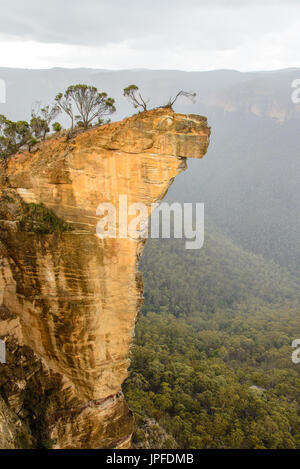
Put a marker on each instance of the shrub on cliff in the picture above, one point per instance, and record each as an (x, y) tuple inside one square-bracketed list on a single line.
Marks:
[(41, 119), (56, 127), (13, 135), (135, 98), (37, 218)]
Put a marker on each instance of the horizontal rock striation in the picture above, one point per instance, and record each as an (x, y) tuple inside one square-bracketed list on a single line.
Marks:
[(68, 299)]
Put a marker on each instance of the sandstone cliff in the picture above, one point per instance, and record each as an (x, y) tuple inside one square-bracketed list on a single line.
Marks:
[(69, 300)]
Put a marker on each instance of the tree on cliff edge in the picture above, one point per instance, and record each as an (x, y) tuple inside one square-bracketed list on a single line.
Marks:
[(41, 119), (89, 103), (186, 94), (13, 135), (134, 97)]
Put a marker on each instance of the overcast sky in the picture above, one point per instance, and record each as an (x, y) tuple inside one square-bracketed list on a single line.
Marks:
[(157, 34)]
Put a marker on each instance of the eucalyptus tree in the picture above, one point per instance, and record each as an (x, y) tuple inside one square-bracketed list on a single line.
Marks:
[(186, 94), (89, 103), (134, 96), (41, 118)]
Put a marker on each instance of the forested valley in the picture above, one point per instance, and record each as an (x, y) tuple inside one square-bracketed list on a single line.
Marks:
[(212, 358)]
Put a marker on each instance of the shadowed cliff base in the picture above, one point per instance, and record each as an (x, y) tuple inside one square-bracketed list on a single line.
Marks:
[(72, 299)]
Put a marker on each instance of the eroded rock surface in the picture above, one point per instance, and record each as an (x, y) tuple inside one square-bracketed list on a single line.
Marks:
[(69, 300)]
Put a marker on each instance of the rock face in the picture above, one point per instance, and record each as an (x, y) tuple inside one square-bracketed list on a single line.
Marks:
[(68, 299)]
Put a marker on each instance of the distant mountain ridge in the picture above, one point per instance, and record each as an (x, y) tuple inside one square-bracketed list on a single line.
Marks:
[(262, 93)]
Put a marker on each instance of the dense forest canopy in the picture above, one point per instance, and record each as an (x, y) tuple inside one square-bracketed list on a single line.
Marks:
[(211, 364)]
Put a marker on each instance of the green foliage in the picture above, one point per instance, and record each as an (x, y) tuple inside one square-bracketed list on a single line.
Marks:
[(150, 434), (13, 135), (220, 275), (65, 104), (133, 95), (56, 127), (39, 127), (213, 365), (39, 219), (195, 381), (41, 119), (89, 103)]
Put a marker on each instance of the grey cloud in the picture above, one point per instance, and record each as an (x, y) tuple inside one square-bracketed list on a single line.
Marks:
[(98, 22)]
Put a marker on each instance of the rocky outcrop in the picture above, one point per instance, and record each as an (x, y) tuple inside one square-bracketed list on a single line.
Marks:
[(69, 300)]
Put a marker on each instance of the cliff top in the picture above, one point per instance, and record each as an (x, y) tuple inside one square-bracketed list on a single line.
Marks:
[(134, 134)]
